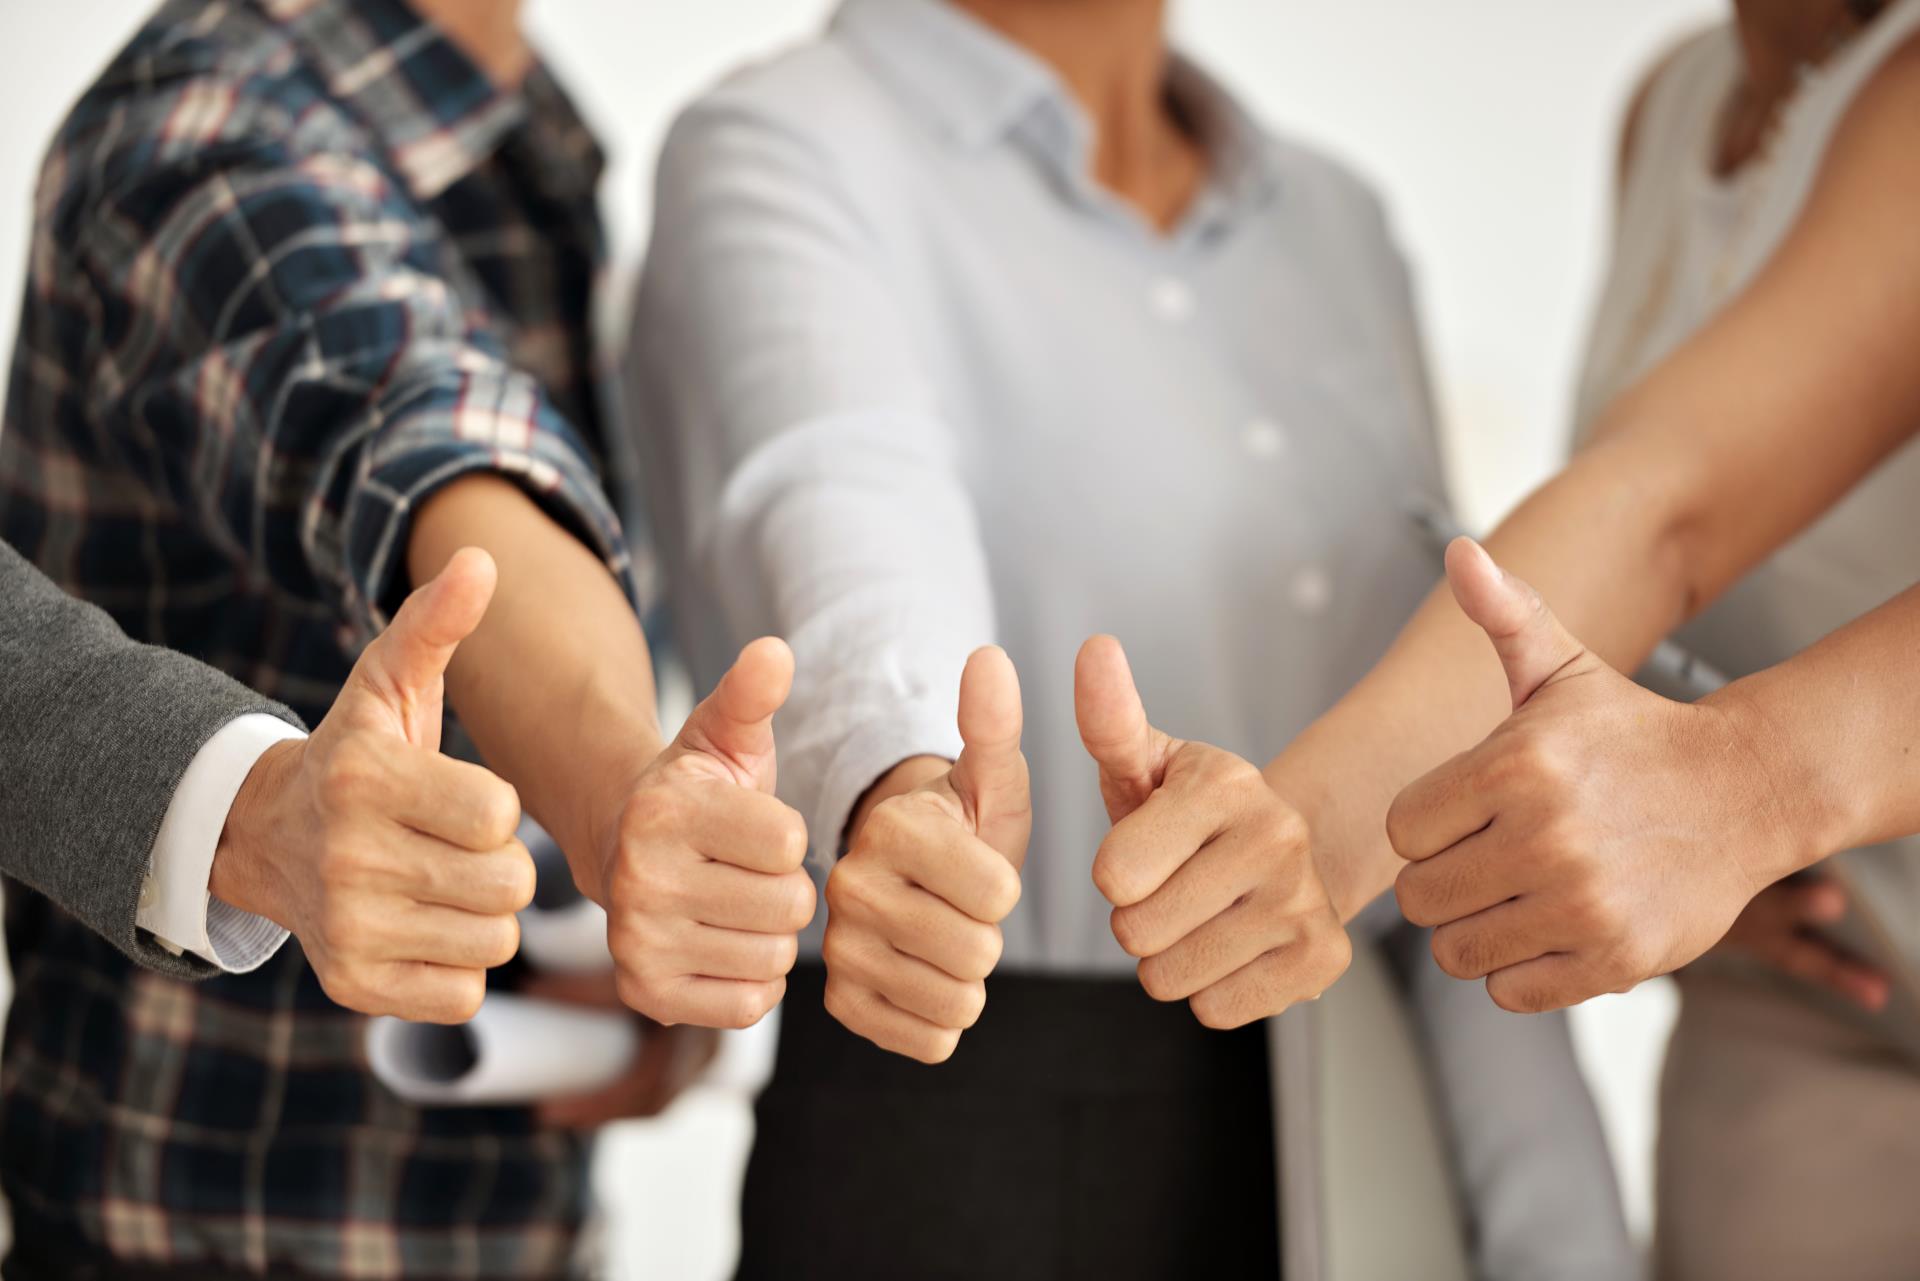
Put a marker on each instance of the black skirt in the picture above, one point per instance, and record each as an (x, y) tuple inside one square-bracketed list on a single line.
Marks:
[(1081, 1130)]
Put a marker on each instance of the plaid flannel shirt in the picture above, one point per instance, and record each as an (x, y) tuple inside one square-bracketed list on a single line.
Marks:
[(296, 264)]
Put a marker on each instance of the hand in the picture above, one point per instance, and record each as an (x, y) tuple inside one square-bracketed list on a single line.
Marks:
[(395, 866), (914, 906), (1600, 836), (670, 1059), (1210, 872), (1780, 927), (701, 872)]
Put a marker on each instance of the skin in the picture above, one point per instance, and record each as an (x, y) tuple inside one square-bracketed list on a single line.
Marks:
[(915, 903), (1751, 430), (683, 843), (1603, 834), (395, 866), (914, 906)]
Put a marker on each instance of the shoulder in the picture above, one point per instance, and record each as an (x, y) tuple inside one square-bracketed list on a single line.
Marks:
[(187, 96), (1668, 62), (816, 104), (1872, 163)]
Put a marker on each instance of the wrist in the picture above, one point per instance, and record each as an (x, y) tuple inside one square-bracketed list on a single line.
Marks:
[(243, 873), (1798, 808), (909, 775)]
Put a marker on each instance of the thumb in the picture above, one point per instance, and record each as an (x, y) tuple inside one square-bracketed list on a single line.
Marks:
[(1532, 645), (736, 720), (991, 774), (405, 665), (1132, 755)]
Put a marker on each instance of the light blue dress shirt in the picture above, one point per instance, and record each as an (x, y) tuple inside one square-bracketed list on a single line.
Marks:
[(913, 383), (909, 382)]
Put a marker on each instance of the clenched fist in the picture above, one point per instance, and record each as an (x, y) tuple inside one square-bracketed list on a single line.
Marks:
[(915, 905), (1210, 872), (1600, 836), (395, 866), (701, 875)]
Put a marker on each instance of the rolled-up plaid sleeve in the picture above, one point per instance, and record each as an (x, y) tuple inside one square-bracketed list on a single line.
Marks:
[(286, 353)]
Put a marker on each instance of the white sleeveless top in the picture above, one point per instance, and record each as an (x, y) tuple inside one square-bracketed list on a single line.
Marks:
[(1687, 243)]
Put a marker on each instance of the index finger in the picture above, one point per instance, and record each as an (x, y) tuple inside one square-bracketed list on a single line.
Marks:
[(454, 801), (1439, 809), (955, 866), (1148, 846), (747, 828)]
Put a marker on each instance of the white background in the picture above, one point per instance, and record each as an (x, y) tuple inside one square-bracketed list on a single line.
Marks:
[(1489, 123)]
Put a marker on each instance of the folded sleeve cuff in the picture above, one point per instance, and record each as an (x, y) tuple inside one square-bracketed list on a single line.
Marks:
[(495, 422), (859, 759)]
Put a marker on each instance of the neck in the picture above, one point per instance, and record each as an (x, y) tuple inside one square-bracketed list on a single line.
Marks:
[(1781, 36), (487, 31), (1111, 55)]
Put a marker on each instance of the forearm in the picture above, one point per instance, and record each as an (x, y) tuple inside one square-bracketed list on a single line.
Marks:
[(556, 685), (1608, 550), (1834, 733)]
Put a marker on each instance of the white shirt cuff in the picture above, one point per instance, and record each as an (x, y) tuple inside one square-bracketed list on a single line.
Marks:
[(175, 906)]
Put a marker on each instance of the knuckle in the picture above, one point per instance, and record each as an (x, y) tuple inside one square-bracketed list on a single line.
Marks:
[(336, 929), (1402, 824), (1157, 979), (637, 993), (1333, 950), (934, 1047), (1129, 931), (1003, 887), (1516, 998), (1215, 1010), (888, 826), (981, 953), (497, 812), (1457, 954), (792, 851), (968, 1005), (520, 879), (1288, 826), (505, 943), (345, 988), (797, 911), (468, 991), (783, 950), (1415, 900), (1118, 881), (747, 1005)]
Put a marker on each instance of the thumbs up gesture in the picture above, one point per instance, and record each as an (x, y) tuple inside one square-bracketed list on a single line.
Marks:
[(395, 866), (1600, 836), (915, 904), (1210, 872), (701, 876)]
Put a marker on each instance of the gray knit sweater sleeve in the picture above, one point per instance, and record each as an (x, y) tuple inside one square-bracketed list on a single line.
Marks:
[(95, 733)]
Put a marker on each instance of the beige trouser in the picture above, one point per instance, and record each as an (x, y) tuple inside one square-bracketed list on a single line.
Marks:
[(1789, 1141)]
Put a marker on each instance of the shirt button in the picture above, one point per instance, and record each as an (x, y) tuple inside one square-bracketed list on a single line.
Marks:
[(1172, 298), (1263, 439), (1311, 590)]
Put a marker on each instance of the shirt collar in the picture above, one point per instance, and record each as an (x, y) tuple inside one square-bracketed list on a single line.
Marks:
[(979, 88), (434, 111), (966, 79)]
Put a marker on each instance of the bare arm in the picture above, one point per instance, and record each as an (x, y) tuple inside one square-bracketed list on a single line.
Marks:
[(1741, 439), (1845, 715), (555, 685)]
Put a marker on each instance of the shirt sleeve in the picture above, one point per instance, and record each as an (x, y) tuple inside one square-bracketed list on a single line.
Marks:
[(175, 906), (288, 365), (822, 488)]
